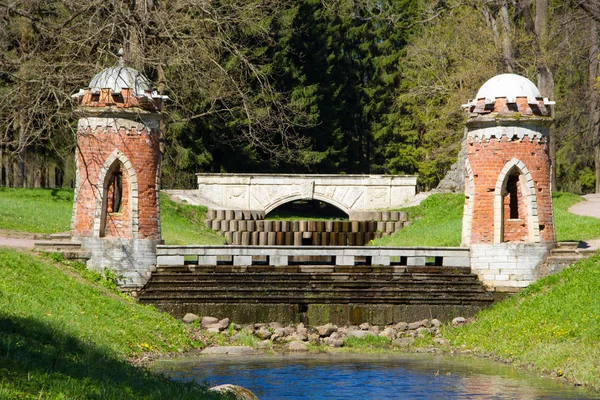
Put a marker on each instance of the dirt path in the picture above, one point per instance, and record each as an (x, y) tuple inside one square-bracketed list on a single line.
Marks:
[(590, 207), (22, 240)]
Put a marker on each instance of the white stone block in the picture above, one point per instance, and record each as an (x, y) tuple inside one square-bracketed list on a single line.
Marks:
[(242, 260), (170, 260), (207, 260), (278, 260), (344, 260), (380, 260), (415, 261)]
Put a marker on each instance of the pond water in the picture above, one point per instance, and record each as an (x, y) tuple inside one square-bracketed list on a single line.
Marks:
[(339, 376)]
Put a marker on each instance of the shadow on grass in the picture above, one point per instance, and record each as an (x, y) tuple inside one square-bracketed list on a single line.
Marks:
[(42, 361)]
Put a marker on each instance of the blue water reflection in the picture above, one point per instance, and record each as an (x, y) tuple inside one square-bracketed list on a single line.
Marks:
[(371, 377)]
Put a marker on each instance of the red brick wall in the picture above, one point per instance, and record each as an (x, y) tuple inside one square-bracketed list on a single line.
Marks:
[(487, 159), (142, 150)]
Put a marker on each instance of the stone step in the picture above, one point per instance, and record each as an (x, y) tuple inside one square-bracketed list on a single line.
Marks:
[(255, 277), (411, 299), (310, 287), (55, 245), (70, 250), (239, 294), (577, 253)]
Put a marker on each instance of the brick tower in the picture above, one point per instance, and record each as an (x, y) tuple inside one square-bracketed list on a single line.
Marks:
[(508, 220), (116, 206)]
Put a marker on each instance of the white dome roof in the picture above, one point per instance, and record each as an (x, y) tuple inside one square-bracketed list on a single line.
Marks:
[(510, 86), (120, 77)]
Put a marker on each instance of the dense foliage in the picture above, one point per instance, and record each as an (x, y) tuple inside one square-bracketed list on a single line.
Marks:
[(342, 86)]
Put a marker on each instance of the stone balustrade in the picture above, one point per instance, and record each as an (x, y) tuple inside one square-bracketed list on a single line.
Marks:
[(170, 255)]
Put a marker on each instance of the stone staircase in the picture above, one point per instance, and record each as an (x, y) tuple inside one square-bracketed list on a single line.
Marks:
[(241, 291), (562, 256), (61, 243)]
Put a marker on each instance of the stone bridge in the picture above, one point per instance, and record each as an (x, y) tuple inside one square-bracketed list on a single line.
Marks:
[(265, 192)]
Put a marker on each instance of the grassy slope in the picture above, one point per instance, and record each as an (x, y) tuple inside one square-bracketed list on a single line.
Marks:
[(36, 210), (553, 325), (437, 221), (184, 224), (64, 337), (181, 223), (571, 227)]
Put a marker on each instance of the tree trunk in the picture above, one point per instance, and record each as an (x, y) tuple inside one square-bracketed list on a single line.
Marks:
[(507, 50), (20, 179), (594, 97)]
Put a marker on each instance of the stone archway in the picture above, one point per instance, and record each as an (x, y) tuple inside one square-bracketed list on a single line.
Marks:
[(117, 159), (516, 168)]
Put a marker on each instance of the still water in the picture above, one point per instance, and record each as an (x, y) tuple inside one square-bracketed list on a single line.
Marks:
[(370, 377)]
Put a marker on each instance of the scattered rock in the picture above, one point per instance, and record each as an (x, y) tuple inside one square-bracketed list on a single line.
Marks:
[(213, 330), (297, 346), (388, 333), (237, 392), (326, 330), (414, 325), (208, 321), (459, 321), (275, 325), (331, 342), (264, 345), (365, 326), (423, 330), (401, 326), (436, 323), (223, 324), (263, 333), (440, 341), (360, 334), (299, 336), (189, 318), (229, 350)]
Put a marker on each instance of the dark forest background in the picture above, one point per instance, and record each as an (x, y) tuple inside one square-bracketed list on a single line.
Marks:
[(308, 86)]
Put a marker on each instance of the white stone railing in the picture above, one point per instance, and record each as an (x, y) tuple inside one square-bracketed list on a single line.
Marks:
[(169, 255)]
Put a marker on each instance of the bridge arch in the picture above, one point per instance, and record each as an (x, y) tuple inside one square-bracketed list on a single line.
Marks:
[(291, 198)]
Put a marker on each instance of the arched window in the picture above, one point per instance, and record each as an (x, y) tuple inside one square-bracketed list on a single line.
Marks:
[(513, 192), (515, 205), (115, 191)]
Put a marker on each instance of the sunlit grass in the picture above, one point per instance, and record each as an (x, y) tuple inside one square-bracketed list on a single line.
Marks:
[(552, 325), (184, 224), (36, 210), (62, 336), (437, 221), (571, 227)]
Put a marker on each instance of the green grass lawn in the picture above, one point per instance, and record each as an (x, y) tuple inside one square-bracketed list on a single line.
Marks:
[(62, 336), (184, 224), (36, 210), (49, 211), (553, 325), (571, 227), (437, 221)]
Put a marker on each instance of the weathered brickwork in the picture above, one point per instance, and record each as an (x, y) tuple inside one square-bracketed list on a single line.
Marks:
[(487, 160), (142, 151)]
